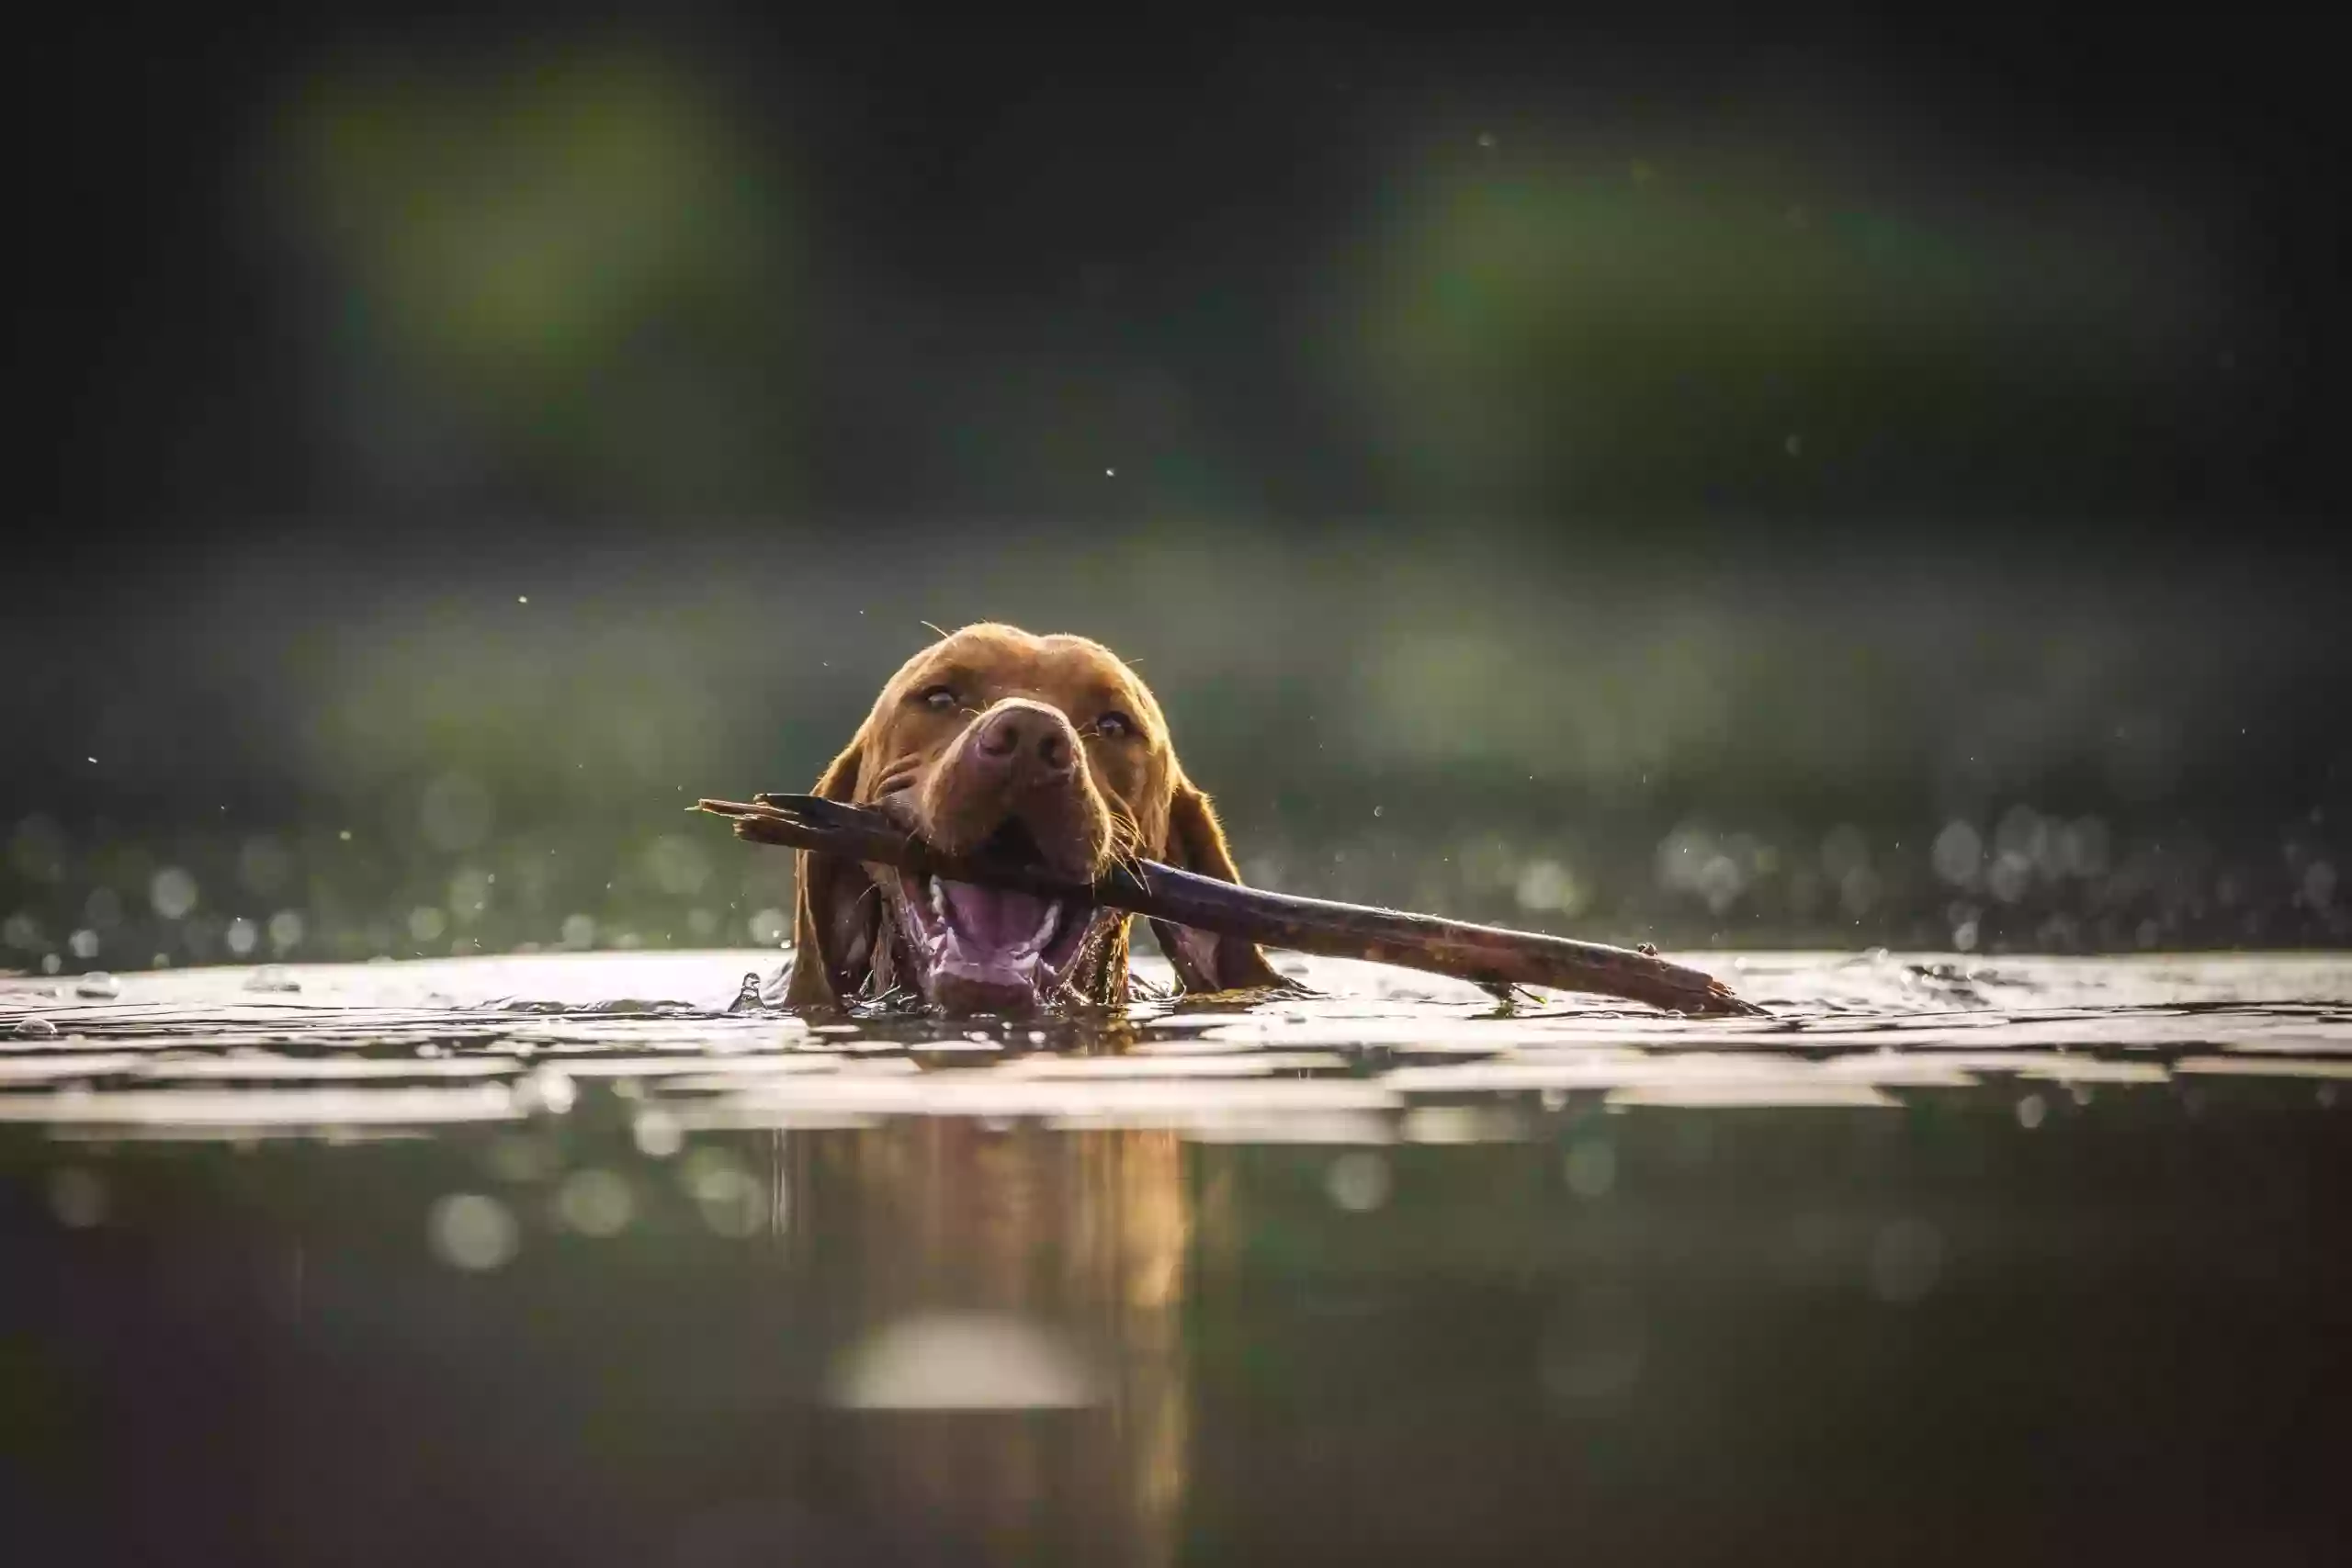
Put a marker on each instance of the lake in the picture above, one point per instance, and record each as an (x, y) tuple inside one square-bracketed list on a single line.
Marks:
[(573, 1258)]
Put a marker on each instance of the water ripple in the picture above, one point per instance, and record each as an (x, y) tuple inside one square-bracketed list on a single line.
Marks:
[(1375, 1056)]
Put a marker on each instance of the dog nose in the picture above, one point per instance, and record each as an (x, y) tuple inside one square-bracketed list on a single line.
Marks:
[(1028, 738)]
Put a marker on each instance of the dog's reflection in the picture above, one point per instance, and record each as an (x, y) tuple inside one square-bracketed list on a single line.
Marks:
[(1011, 1375)]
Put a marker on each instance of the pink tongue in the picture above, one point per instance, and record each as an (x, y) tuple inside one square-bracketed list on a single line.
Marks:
[(993, 918)]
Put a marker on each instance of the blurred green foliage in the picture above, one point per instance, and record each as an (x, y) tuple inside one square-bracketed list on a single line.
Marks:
[(573, 319), (579, 257), (1529, 325)]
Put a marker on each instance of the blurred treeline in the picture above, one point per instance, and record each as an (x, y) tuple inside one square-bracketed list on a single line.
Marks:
[(1766, 514)]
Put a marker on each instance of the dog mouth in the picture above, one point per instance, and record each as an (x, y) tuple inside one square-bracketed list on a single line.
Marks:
[(995, 950)]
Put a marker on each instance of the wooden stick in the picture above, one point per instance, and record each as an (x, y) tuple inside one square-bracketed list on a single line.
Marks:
[(1488, 954)]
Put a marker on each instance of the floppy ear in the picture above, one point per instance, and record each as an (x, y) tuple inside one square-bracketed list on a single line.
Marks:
[(836, 913), (1204, 961)]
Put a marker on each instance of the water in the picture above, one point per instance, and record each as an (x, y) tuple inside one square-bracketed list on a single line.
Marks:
[(555, 1258)]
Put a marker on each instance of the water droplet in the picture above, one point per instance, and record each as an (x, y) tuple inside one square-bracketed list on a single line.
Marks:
[(471, 1231), (657, 1133), (1591, 1169), (35, 1028), (547, 1089), (2031, 1111), (286, 929), (596, 1202), (99, 986), (1358, 1181), (1547, 885), (732, 1203), (172, 893), (1958, 852)]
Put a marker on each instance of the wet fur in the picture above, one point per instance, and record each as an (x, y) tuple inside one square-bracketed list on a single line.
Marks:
[(1131, 800)]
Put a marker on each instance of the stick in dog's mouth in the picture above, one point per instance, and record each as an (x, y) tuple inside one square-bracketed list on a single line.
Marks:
[(1488, 954)]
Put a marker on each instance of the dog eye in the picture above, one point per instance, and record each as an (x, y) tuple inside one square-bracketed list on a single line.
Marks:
[(938, 699), (1114, 726)]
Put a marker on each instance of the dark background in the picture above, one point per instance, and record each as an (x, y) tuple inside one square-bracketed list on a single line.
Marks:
[(1731, 478)]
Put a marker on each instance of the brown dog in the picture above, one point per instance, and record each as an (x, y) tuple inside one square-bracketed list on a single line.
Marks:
[(1044, 746)]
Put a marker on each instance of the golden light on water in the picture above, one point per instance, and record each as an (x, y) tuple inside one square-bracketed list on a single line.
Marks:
[(962, 1362)]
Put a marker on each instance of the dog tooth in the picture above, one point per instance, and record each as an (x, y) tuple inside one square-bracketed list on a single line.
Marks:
[(938, 898)]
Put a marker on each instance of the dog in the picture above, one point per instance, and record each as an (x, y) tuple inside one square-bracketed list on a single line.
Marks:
[(1049, 748)]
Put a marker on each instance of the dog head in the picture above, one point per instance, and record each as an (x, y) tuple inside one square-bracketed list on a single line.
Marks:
[(1047, 749)]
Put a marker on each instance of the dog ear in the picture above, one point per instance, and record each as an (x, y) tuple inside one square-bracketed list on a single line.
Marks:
[(836, 913), (1203, 960)]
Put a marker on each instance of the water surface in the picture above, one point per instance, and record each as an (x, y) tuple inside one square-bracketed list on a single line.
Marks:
[(571, 1258)]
